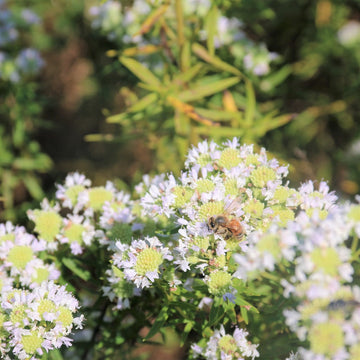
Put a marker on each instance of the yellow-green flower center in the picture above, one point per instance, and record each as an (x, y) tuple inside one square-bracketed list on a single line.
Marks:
[(281, 194), (229, 158), (219, 282), (73, 192), (31, 342), (231, 187), (252, 160), (47, 224), (65, 316), (284, 214), (205, 185), (204, 159), (148, 260), (210, 209), (17, 314), (227, 344), (260, 176), (19, 256), (46, 305), (7, 237), (326, 260), (326, 338), (74, 232), (182, 195), (98, 196), (254, 207), (202, 243), (40, 275)]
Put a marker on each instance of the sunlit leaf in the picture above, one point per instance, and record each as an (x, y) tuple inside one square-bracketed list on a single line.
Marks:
[(142, 50), (139, 70), (202, 53), (250, 103), (143, 103), (152, 19), (211, 19), (201, 91), (33, 186), (188, 74)]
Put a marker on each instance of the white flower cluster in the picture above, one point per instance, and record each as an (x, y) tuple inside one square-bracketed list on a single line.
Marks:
[(227, 347), (36, 321), (206, 237), (314, 251), (36, 315)]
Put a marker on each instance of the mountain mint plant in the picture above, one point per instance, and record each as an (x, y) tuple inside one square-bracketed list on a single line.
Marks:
[(281, 284)]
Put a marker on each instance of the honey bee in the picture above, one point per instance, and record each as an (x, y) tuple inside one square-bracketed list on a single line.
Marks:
[(224, 226)]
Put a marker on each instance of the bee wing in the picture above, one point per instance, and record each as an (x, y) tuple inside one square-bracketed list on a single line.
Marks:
[(233, 206)]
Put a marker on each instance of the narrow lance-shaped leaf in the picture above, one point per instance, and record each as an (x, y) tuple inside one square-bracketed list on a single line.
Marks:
[(33, 186), (139, 70), (179, 22), (216, 313), (201, 91), (202, 53), (152, 19), (210, 20), (250, 103), (143, 103), (188, 75), (189, 110), (141, 50), (159, 322)]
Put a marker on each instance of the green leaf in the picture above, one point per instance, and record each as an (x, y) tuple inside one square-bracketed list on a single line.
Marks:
[(143, 103), (268, 123), (211, 19), (23, 163), (219, 115), (142, 72), (250, 103), (244, 315), (76, 269), (159, 322), (188, 327), (202, 53), (33, 186), (118, 118), (189, 74), (216, 313), (201, 91)]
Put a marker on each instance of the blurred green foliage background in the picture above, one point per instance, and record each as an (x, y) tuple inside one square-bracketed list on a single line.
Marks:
[(127, 86)]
